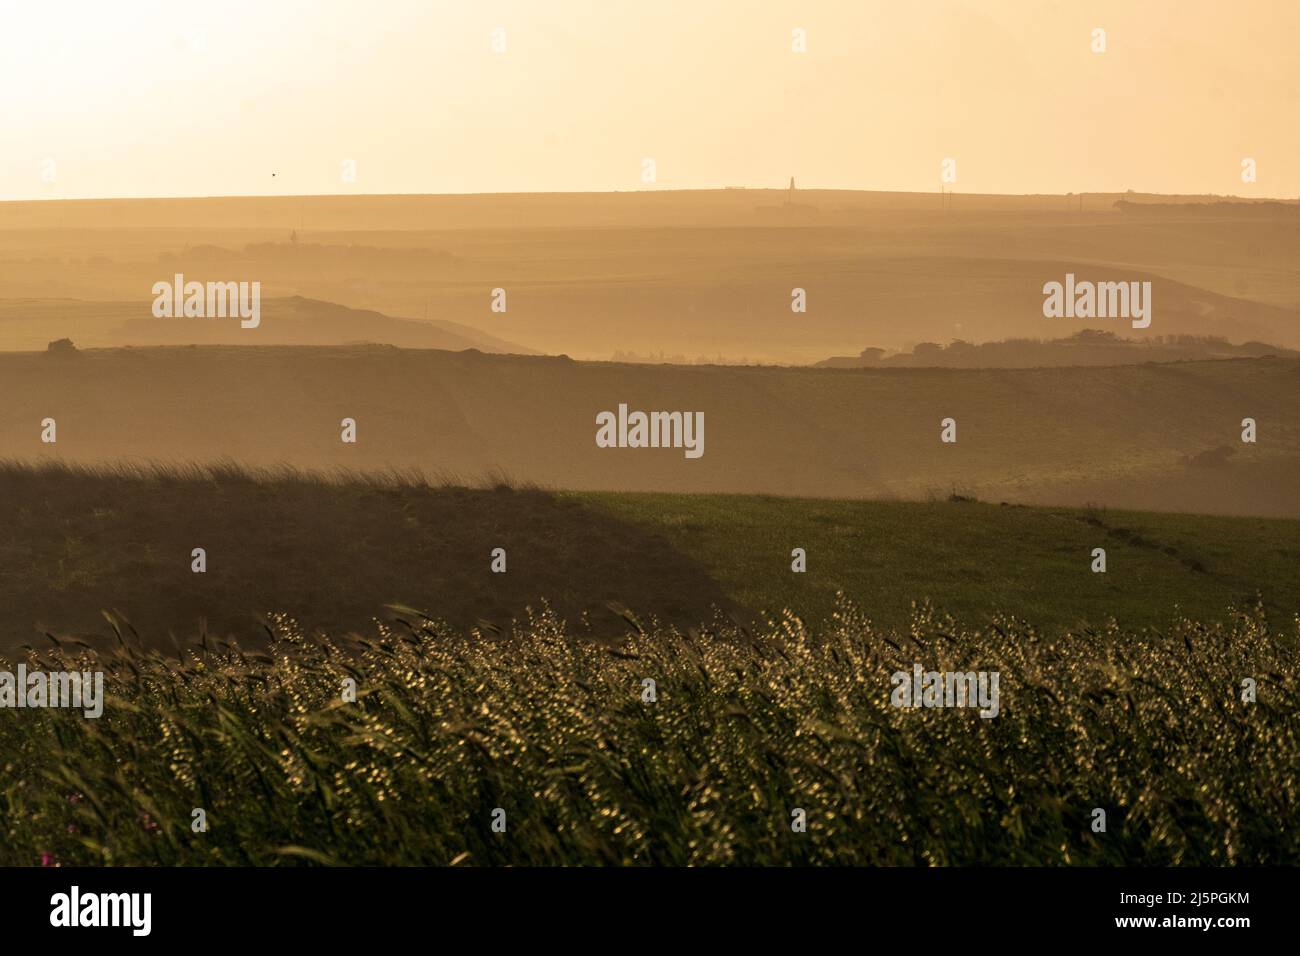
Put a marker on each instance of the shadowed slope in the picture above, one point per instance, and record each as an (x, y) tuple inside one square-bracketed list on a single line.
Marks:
[(328, 553)]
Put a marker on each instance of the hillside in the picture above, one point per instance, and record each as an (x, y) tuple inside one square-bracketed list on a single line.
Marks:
[(331, 554), (1082, 348), (974, 559), (29, 324), (561, 210), (1163, 437), (79, 542), (706, 272)]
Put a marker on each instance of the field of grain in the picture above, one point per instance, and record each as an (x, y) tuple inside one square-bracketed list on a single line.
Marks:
[(550, 750)]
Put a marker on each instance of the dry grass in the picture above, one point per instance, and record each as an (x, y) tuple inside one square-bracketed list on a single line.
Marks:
[(448, 727)]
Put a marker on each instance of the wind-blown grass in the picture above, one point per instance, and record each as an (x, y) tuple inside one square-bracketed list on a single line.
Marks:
[(746, 727)]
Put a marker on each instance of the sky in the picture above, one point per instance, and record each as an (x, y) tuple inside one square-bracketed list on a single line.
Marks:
[(280, 97)]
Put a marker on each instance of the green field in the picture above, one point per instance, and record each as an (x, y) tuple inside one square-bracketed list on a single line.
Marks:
[(975, 560), (79, 541)]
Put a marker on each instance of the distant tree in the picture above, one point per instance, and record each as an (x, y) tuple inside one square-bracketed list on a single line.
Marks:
[(871, 356), (1095, 337), (1211, 458), (61, 347)]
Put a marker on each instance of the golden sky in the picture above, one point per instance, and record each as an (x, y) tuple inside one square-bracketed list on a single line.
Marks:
[(189, 98)]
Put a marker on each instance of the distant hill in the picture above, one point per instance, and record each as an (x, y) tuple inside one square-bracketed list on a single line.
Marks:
[(1157, 436), (651, 208), (707, 272), (28, 324), (1087, 347), (310, 255), (1228, 209)]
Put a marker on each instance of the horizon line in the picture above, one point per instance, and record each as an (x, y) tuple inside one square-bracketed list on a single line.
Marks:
[(647, 192)]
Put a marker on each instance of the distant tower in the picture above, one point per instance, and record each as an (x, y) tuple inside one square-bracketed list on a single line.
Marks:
[(790, 194)]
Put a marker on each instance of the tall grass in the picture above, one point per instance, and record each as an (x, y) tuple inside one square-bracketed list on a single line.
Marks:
[(746, 728), (228, 471)]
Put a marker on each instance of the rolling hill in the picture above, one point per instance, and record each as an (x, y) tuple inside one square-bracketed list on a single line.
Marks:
[(700, 273), (333, 554), (330, 554), (29, 324), (1164, 437)]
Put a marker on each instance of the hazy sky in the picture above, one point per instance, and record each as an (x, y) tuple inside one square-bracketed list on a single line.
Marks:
[(211, 97)]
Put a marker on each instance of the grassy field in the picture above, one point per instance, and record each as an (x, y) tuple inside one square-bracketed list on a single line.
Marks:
[(330, 551), (333, 552), (747, 724), (976, 559), (558, 739)]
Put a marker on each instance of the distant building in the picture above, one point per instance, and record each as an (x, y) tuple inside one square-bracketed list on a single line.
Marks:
[(789, 209)]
